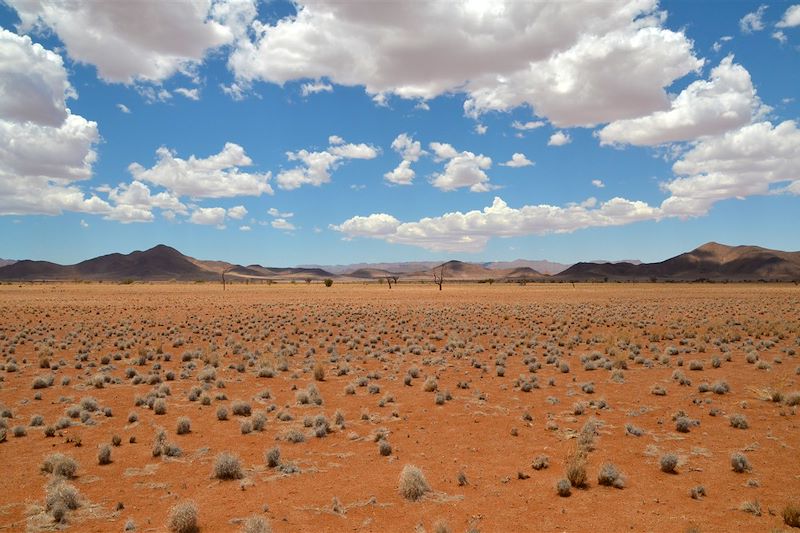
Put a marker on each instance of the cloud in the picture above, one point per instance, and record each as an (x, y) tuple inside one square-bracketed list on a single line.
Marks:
[(209, 216), (753, 22), (741, 163), (791, 18), (725, 102), (463, 169), (517, 160), (569, 61), (410, 150), (470, 231), (598, 183), (480, 129), (44, 148), (245, 228), (780, 37), (282, 224), (217, 176), (139, 40), (316, 87), (123, 108), (134, 202), (316, 167), (237, 212), (559, 138), (275, 213), (191, 94), (84, 224), (531, 125)]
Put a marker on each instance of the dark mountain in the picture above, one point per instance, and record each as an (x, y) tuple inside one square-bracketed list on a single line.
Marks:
[(711, 261), (158, 263)]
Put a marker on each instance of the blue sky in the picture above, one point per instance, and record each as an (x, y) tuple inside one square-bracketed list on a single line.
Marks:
[(284, 134)]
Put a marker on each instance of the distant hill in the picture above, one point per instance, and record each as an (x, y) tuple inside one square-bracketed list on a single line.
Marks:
[(4, 262), (541, 266), (710, 261)]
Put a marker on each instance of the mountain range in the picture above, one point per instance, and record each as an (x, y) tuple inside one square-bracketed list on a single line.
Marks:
[(711, 261)]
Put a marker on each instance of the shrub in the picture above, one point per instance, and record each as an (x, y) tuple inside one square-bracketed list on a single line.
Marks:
[(61, 495), (160, 406), (413, 484), (698, 492), (739, 463), (19, 431), (683, 424), (255, 524), (227, 466), (738, 421), (273, 457), (295, 436), (319, 371), (246, 427), (384, 448), (576, 468), (430, 384), (259, 422), (791, 515), (184, 426), (60, 465), (669, 461), (752, 507), (222, 413), (183, 518), (630, 429), (563, 488), (540, 462), (104, 454), (328, 282), (241, 408), (132, 417), (609, 476)]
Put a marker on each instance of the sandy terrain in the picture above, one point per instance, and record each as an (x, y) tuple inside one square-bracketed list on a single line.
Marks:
[(574, 359)]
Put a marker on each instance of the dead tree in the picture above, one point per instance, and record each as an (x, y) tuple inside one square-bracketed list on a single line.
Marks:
[(440, 278), (224, 271), (391, 279)]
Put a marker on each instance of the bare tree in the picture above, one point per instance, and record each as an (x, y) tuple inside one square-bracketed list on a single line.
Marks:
[(440, 278), (392, 278), (225, 271)]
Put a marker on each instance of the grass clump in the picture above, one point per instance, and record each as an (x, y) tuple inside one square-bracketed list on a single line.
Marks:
[(413, 485), (255, 524), (575, 468), (739, 421), (104, 454), (184, 426), (60, 465), (791, 515), (669, 462), (739, 463), (752, 507), (227, 466), (610, 476), (273, 457), (183, 518), (563, 488), (241, 408)]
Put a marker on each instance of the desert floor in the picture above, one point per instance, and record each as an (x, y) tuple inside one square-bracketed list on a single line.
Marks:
[(579, 363)]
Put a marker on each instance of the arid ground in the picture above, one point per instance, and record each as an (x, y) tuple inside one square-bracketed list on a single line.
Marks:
[(475, 385)]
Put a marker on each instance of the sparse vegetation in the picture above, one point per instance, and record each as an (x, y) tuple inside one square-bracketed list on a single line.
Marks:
[(183, 518), (413, 485), (227, 466)]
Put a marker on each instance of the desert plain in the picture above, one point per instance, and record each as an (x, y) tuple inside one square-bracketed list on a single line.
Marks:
[(323, 395)]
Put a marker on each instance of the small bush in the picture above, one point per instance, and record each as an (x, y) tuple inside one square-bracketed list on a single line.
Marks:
[(328, 282), (668, 462), (540, 462), (255, 524), (630, 429), (60, 465), (430, 384), (739, 463), (241, 408), (133, 417), (739, 421), (752, 507), (222, 413), (19, 431), (791, 515), (384, 448), (319, 371), (227, 466), (609, 476), (160, 406), (563, 488), (184, 426), (183, 518), (104, 455), (413, 484), (576, 468), (698, 492), (683, 424), (61, 496), (273, 457)]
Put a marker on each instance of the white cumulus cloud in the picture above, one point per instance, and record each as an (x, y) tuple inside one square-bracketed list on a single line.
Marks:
[(463, 169), (316, 167), (518, 160), (559, 138), (217, 176), (753, 22), (410, 150), (791, 18)]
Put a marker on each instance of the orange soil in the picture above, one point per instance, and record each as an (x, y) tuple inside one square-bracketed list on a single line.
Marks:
[(470, 433)]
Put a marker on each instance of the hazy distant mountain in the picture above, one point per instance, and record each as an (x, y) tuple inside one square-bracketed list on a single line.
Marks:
[(400, 267), (4, 262), (711, 261), (161, 263), (543, 266)]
